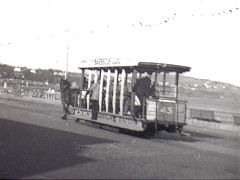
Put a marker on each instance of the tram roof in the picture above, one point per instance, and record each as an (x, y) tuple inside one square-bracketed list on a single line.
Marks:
[(151, 66), (140, 66)]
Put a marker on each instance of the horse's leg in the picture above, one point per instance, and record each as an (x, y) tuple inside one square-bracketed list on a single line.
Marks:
[(63, 105), (65, 113)]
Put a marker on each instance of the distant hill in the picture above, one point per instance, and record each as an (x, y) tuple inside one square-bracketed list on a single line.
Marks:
[(212, 95), (51, 76), (200, 93)]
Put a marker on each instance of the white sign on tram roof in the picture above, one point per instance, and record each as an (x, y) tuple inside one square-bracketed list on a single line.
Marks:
[(106, 62)]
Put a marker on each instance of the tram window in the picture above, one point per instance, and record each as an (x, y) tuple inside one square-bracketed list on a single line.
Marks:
[(170, 84), (138, 75), (104, 92), (110, 95), (129, 79), (166, 84), (85, 82), (90, 76), (159, 84)]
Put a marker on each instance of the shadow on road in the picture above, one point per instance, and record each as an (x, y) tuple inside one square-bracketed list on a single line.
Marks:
[(189, 137), (26, 149), (163, 135), (202, 135)]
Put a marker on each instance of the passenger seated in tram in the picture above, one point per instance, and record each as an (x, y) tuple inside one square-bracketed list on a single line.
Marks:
[(126, 98), (84, 93), (104, 95), (111, 95)]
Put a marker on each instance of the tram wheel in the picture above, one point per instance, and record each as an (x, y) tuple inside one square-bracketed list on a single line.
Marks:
[(180, 130), (77, 120), (171, 128), (149, 131)]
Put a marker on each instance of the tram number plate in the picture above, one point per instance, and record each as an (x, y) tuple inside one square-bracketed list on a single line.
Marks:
[(166, 111)]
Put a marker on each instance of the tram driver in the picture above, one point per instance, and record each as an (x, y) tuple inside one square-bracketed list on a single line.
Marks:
[(143, 89)]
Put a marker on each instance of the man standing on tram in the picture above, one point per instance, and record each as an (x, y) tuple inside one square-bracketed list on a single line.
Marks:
[(143, 89), (94, 89)]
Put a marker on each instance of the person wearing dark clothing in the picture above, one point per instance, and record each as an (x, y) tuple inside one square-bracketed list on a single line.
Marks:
[(94, 89), (95, 108), (143, 89)]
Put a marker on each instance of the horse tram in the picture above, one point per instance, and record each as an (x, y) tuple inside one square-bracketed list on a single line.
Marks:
[(138, 97)]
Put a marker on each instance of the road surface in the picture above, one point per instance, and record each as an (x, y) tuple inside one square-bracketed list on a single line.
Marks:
[(36, 143)]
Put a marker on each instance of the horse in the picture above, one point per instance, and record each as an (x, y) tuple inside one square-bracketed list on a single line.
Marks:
[(68, 96)]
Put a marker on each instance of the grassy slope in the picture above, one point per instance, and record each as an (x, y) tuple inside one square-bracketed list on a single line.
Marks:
[(211, 95)]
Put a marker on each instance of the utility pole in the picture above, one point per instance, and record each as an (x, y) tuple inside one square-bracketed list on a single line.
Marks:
[(67, 38), (67, 62)]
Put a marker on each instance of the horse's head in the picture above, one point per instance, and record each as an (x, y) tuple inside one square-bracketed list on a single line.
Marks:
[(64, 84)]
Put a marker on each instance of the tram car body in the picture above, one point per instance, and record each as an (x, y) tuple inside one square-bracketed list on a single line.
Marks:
[(160, 109)]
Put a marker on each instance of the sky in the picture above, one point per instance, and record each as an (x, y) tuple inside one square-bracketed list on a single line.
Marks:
[(202, 34)]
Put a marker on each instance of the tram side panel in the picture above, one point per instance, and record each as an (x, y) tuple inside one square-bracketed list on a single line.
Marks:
[(182, 112), (166, 112)]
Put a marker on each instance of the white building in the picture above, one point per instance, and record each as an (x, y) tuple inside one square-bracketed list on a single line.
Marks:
[(17, 69), (33, 71)]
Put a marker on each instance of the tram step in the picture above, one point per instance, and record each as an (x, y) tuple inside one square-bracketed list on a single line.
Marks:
[(107, 123)]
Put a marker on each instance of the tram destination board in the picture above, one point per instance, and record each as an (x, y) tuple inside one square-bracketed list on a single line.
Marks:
[(105, 62)]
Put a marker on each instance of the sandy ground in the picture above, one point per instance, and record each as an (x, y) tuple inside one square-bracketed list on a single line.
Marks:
[(36, 143)]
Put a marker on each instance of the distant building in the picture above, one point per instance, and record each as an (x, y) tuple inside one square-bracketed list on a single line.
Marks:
[(60, 73), (207, 85), (17, 69), (33, 71), (18, 72)]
